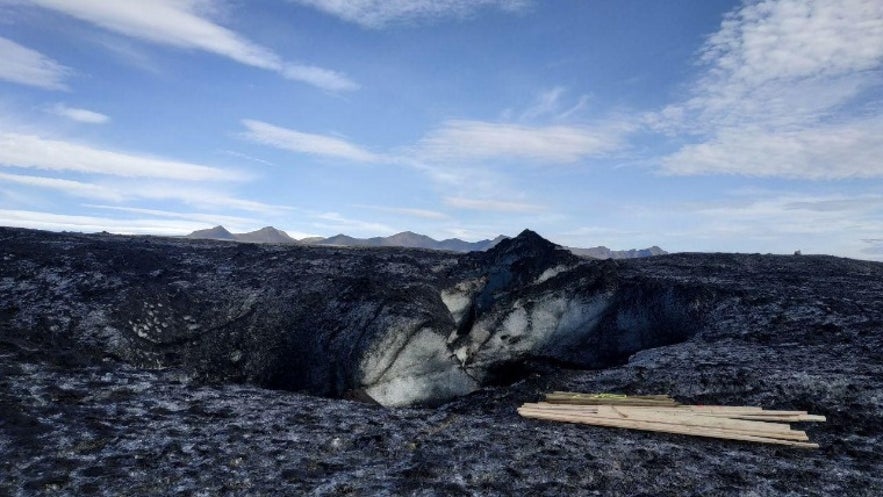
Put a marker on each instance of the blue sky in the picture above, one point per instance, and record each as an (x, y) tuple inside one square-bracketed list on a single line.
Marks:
[(703, 125)]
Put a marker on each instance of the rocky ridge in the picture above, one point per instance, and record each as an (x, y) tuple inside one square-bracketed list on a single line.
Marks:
[(602, 252), (163, 360), (405, 239)]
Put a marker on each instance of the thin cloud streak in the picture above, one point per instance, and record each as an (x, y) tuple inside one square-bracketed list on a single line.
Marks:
[(335, 222), (231, 222), (198, 196), (32, 151), (306, 143), (377, 14), (80, 115), (247, 157), (25, 66), (855, 204), (58, 222), (477, 140), (179, 24), (420, 213), (547, 102), (874, 247), (205, 198), (69, 187), (551, 104), (492, 205)]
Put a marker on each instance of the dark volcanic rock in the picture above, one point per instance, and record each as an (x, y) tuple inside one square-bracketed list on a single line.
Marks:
[(124, 364), (403, 326)]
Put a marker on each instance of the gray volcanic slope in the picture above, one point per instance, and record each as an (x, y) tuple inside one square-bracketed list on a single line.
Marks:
[(149, 366)]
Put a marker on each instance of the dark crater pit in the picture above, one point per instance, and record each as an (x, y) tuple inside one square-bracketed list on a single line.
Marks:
[(155, 366)]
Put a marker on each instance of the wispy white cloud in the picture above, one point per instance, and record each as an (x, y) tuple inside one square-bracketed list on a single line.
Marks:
[(489, 205), (318, 77), (820, 152), (231, 222), (306, 143), (597, 232), (547, 102), (381, 13), (25, 66), (56, 222), (774, 40), (404, 211), (863, 204), (773, 95), (247, 157), (204, 198), (185, 24), (439, 155), (784, 216), (127, 51), (194, 195), (782, 222), (337, 223), (471, 140), (69, 187), (786, 62), (79, 115), (874, 247), (574, 109), (32, 151), (456, 141), (553, 104)]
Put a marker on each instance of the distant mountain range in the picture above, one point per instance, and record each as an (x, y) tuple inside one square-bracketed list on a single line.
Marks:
[(267, 234), (408, 239), (412, 240), (603, 252)]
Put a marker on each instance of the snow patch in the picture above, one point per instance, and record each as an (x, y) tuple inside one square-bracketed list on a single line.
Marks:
[(405, 390), (549, 326), (550, 273), (409, 367), (458, 299)]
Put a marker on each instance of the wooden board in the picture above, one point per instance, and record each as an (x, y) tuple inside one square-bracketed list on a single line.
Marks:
[(677, 417), (667, 428), (663, 414), (756, 428)]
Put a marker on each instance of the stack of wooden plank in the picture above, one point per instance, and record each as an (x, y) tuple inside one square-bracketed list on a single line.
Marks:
[(664, 414)]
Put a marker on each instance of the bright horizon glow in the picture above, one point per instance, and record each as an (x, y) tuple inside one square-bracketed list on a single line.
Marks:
[(725, 125)]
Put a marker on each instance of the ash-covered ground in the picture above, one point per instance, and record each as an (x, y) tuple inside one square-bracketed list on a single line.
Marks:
[(93, 405)]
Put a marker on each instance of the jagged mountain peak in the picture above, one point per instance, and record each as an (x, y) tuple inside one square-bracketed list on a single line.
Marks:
[(526, 241), (530, 252)]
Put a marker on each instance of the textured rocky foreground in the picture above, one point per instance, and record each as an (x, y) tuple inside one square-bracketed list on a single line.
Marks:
[(145, 366)]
